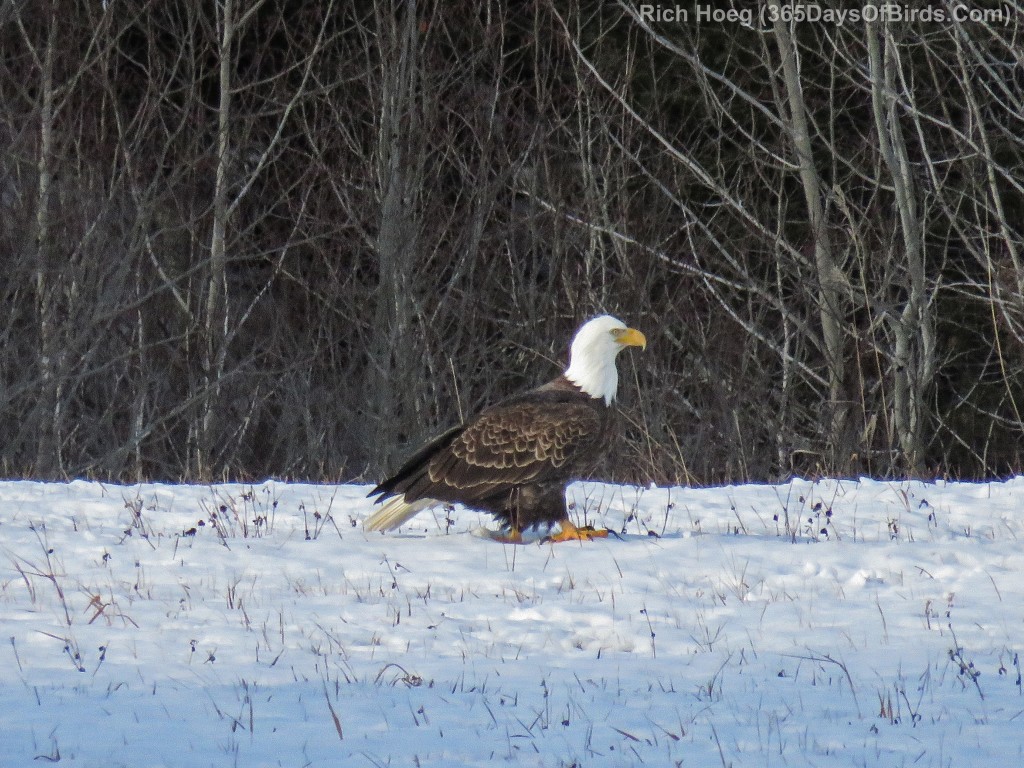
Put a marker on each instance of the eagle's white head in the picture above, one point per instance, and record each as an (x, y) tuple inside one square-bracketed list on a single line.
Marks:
[(592, 355)]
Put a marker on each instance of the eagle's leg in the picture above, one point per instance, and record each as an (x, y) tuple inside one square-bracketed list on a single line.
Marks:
[(570, 532), (507, 536)]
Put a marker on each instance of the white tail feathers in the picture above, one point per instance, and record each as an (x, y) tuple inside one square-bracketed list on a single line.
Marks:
[(395, 512)]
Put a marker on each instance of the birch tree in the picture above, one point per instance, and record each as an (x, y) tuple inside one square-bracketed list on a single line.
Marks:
[(831, 282), (913, 355)]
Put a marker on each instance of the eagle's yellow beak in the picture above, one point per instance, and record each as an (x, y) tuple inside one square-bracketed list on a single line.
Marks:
[(631, 337)]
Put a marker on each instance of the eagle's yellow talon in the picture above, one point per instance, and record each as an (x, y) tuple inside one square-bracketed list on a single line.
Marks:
[(570, 532)]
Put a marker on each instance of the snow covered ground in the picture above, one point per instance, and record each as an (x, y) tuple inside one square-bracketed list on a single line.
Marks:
[(826, 624)]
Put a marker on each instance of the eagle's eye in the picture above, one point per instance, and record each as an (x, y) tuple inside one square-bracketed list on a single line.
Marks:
[(616, 332)]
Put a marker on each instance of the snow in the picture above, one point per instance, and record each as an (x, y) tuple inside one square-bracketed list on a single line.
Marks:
[(831, 623)]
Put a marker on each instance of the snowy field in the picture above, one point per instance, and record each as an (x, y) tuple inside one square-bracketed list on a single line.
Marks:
[(826, 624)]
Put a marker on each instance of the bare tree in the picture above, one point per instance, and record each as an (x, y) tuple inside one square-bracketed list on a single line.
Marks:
[(400, 160), (259, 238), (913, 328), (831, 282)]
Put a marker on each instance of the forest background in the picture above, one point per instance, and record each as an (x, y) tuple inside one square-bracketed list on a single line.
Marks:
[(246, 239)]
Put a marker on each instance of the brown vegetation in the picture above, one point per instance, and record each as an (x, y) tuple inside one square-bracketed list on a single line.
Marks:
[(247, 238)]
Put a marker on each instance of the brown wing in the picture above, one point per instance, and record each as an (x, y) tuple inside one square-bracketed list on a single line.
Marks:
[(522, 441), (525, 442)]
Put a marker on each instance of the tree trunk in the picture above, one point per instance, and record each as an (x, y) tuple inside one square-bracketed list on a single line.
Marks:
[(398, 174), (216, 310), (48, 450), (913, 355), (831, 280)]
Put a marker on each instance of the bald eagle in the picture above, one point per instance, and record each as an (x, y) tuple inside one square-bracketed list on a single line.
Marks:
[(515, 458)]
